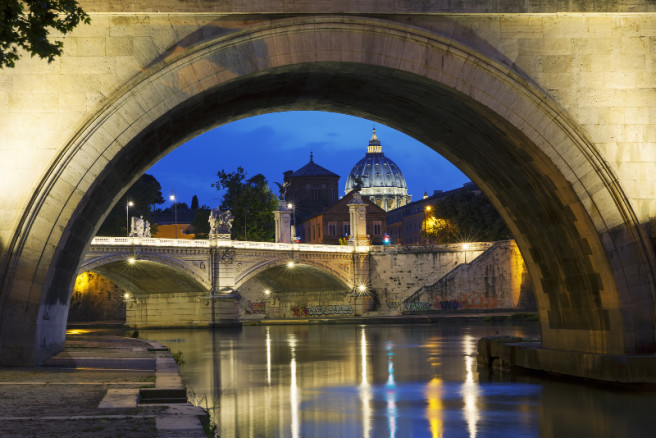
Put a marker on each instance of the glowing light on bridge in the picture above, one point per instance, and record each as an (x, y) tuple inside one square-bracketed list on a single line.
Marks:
[(290, 264), (132, 260), (126, 296), (267, 292)]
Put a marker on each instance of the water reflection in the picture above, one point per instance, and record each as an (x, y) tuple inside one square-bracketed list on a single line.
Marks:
[(293, 390), (386, 381), (366, 395), (470, 389)]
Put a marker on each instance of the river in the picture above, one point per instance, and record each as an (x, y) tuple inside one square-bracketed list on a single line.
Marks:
[(414, 380)]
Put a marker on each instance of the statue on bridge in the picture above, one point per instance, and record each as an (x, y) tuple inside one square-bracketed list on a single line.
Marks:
[(282, 188), (220, 224), (139, 227)]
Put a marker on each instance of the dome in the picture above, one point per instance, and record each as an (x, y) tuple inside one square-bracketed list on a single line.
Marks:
[(380, 178)]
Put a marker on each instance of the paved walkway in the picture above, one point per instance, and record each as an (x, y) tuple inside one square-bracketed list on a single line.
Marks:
[(99, 386)]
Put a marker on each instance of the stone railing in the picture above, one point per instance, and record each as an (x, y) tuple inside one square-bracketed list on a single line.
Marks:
[(204, 243)]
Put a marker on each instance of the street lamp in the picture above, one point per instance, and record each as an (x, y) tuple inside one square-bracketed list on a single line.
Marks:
[(175, 213), (426, 213), (291, 207), (127, 217), (465, 247)]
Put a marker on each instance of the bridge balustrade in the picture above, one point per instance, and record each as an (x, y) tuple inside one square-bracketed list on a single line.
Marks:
[(204, 243)]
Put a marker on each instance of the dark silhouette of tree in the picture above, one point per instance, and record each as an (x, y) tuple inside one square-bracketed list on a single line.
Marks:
[(252, 204), (470, 217), (26, 25), (144, 193), (194, 202), (201, 223)]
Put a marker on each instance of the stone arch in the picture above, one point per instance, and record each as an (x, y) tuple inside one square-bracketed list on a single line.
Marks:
[(177, 265), (590, 262), (252, 271)]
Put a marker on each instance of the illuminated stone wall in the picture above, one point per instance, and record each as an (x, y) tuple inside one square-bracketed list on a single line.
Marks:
[(95, 298), (549, 107)]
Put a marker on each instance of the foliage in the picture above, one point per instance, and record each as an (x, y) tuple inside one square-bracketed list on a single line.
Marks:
[(251, 202), (194, 202), (26, 24), (439, 230), (201, 222), (178, 357), (144, 193), (468, 216)]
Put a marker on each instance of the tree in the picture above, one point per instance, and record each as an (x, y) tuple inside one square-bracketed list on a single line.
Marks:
[(472, 216), (144, 194), (194, 202), (439, 230), (252, 204), (201, 222), (26, 24)]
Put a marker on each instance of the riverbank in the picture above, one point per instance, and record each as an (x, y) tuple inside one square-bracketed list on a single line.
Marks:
[(445, 316), (99, 386)]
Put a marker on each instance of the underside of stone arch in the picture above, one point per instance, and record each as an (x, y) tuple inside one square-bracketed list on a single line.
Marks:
[(590, 263), (279, 278), (147, 275)]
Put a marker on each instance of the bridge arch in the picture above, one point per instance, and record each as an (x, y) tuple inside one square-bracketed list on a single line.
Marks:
[(343, 276), (590, 262), (188, 275)]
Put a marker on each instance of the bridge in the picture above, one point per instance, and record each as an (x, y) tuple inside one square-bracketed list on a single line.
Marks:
[(191, 283), (548, 106)]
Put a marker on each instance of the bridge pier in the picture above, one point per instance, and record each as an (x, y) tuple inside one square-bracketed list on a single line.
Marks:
[(505, 353)]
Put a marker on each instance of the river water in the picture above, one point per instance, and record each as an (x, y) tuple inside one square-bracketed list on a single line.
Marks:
[(417, 380)]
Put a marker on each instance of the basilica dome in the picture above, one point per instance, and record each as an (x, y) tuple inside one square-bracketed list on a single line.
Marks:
[(379, 178)]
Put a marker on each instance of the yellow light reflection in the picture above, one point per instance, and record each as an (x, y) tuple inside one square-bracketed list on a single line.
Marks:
[(470, 390), (268, 353), (293, 389), (434, 409), (77, 331), (365, 388)]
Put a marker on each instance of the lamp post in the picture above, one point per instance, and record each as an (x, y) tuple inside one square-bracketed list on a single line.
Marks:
[(291, 207), (127, 217), (465, 246), (175, 213), (426, 213)]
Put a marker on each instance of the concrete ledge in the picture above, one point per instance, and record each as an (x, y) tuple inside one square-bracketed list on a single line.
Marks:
[(133, 363), (509, 353)]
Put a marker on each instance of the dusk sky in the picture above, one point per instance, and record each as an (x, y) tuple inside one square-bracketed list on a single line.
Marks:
[(273, 143)]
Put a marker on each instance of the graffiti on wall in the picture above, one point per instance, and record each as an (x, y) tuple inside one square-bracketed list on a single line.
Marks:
[(303, 310), (341, 309), (418, 306), (257, 307), (394, 303), (298, 311), (450, 305)]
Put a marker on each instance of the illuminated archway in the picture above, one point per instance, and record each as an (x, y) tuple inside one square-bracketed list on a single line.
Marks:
[(590, 263)]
